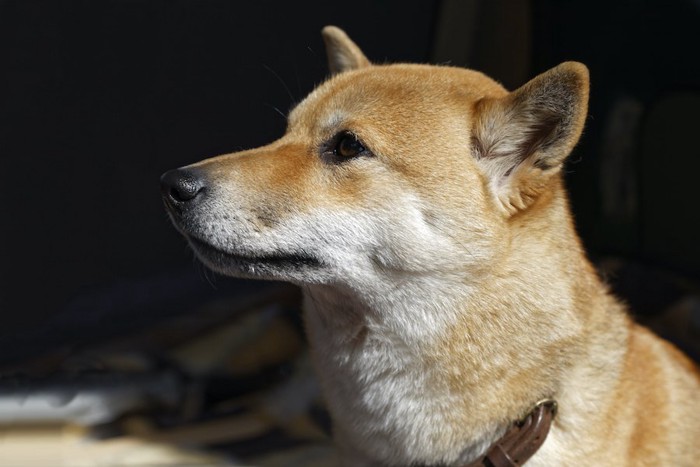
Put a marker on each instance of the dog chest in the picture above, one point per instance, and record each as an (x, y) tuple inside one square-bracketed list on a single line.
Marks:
[(384, 397)]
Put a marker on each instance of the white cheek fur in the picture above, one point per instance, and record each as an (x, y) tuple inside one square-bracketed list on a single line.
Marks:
[(353, 244)]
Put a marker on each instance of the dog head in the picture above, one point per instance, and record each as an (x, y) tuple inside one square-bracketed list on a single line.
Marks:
[(384, 171)]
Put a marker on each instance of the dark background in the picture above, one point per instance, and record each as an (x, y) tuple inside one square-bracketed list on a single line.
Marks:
[(97, 99)]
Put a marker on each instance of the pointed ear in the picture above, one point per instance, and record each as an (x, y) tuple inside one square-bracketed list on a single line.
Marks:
[(343, 53), (523, 139)]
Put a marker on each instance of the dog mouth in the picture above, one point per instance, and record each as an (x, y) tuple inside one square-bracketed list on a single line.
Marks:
[(264, 264)]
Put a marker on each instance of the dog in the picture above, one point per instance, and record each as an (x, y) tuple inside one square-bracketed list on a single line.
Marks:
[(450, 307)]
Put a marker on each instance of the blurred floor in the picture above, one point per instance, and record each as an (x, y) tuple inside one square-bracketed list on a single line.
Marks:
[(232, 387)]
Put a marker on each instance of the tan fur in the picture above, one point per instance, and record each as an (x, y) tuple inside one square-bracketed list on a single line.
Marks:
[(454, 291)]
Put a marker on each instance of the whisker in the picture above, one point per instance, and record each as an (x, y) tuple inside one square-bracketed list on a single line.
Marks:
[(204, 272), (277, 110), (464, 247), (319, 311), (320, 62), (279, 78)]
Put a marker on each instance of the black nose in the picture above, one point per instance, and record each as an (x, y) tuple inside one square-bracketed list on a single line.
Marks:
[(180, 186)]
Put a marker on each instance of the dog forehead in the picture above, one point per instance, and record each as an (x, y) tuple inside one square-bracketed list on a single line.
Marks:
[(400, 90)]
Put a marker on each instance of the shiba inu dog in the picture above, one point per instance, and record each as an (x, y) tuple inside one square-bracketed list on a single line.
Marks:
[(422, 210)]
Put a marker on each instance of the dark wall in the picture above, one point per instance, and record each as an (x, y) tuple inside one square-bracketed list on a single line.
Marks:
[(633, 178), (97, 99)]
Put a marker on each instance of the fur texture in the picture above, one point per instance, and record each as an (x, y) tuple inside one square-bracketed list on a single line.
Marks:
[(446, 289)]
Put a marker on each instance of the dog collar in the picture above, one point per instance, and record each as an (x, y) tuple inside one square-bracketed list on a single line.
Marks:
[(522, 440)]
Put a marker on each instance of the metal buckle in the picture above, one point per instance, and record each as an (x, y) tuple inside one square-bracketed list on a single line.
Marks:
[(551, 403), (547, 403)]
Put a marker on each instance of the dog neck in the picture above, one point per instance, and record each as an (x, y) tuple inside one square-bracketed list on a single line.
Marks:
[(377, 368), (434, 369)]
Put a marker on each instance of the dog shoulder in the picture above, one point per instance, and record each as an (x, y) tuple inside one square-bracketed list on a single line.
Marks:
[(662, 388)]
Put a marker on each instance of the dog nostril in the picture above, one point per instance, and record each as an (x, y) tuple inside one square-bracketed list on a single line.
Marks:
[(185, 192), (181, 185)]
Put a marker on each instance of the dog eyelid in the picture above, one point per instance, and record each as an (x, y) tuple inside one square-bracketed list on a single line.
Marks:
[(345, 145)]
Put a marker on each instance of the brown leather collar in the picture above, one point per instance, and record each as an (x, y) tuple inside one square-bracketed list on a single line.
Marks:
[(522, 440)]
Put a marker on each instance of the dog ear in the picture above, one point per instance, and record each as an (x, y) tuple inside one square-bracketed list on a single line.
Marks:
[(522, 139), (343, 53)]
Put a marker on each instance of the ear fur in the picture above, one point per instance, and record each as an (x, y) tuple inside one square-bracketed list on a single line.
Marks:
[(522, 139), (343, 53)]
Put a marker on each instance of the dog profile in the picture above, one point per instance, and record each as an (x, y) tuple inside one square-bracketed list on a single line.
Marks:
[(423, 212)]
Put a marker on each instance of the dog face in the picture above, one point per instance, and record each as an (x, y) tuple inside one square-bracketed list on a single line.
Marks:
[(383, 172)]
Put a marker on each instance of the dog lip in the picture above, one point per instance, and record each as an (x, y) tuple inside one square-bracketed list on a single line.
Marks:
[(277, 258), (173, 210)]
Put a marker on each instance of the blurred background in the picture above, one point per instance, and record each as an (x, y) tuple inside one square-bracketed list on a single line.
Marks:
[(116, 347)]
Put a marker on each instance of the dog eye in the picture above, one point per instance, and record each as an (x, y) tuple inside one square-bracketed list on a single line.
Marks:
[(348, 145)]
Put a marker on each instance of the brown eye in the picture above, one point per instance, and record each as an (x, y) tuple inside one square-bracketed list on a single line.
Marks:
[(348, 146)]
